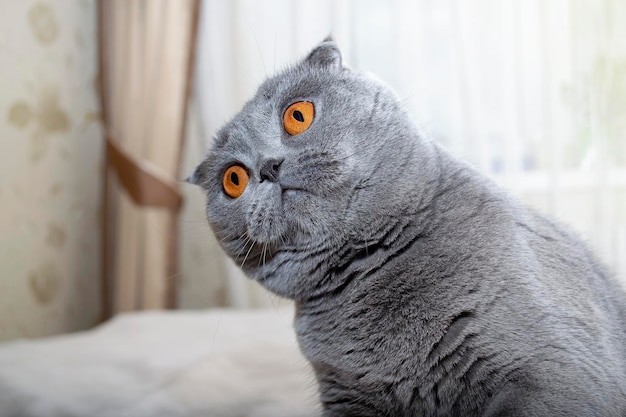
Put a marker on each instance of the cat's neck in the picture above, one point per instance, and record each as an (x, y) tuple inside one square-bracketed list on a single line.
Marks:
[(387, 235), (407, 233)]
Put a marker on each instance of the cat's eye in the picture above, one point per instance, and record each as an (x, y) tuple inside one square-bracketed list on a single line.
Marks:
[(235, 181), (298, 117)]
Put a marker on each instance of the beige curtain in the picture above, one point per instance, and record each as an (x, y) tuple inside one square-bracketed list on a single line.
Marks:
[(146, 50)]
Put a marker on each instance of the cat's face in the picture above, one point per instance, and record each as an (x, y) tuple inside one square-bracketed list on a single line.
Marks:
[(314, 162)]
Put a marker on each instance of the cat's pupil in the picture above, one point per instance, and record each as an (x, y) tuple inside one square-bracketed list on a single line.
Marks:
[(234, 178), (298, 116)]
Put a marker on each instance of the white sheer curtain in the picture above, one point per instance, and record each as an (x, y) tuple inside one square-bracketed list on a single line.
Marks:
[(532, 92)]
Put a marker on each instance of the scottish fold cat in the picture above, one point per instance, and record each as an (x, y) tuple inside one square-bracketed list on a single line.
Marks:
[(421, 288)]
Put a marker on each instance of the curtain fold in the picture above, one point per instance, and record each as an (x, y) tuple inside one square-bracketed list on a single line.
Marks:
[(146, 57)]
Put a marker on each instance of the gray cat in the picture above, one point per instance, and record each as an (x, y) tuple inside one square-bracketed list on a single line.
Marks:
[(421, 288)]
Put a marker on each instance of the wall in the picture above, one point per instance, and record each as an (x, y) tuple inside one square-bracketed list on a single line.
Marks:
[(50, 161)]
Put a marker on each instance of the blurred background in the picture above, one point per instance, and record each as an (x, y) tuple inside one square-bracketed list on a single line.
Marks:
[(96, 102)]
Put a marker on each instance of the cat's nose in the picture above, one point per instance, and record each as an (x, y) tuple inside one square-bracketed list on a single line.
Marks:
[(269, 170)]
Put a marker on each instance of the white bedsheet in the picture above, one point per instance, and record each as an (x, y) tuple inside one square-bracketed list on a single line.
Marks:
[(211, 363)]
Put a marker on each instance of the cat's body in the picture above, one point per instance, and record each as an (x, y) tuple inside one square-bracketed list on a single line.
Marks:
[(483, 308), (421, 288)]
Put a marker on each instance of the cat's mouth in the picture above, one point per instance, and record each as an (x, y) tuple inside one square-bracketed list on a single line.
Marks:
[(289, 188), (292, 191), (280, 210)]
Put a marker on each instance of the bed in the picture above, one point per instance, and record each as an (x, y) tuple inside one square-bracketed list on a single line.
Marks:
[(177, 363)]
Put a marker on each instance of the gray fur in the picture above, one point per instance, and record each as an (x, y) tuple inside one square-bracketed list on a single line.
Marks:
[(422, 289)]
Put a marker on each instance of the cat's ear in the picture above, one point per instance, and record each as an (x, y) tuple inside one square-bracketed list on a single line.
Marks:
[(198, 175), (325, 55)]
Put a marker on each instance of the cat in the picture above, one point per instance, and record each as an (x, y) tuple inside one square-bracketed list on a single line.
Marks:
[(421, 288)]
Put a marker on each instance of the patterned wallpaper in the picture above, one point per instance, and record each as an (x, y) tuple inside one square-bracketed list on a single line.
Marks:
[(50, 164)]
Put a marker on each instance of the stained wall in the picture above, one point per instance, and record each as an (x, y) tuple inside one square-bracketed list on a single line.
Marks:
[(50, 164)]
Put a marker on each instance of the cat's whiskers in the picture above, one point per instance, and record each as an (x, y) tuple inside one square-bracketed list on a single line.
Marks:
[(408, 98), (228, 236), (262, 258), (238, 240), (248, 239), (224, 238), (258, 47), (245, 239)]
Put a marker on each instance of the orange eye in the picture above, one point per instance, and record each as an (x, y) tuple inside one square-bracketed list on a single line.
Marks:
[(235, 181), (298, 117)]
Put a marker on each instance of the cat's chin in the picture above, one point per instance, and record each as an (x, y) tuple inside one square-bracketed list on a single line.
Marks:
[(290, 193), (277, 208), (265, 221)]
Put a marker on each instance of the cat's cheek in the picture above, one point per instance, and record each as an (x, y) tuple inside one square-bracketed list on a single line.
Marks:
[(230, 231)]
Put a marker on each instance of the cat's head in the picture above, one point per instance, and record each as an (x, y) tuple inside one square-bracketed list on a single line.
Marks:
[(313, 166)]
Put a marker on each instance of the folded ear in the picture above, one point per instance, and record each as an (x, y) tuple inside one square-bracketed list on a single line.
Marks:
[(197, 177), (325, 55)]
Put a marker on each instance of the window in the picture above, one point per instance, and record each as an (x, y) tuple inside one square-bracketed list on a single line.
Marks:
[(531, 92)]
